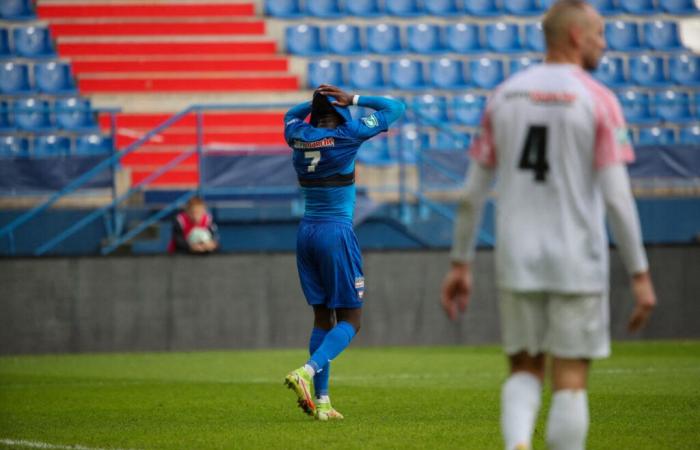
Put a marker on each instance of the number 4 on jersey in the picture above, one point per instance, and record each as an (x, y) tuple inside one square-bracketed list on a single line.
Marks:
[(534, 155)]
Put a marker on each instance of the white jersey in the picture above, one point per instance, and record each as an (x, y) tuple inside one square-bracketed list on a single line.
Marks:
[(547, 130)]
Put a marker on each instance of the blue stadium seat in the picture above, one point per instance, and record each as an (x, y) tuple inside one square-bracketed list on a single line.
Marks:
[(534, 37), (384, 38), (656, 136), (467, 109), (522, 62), (622, 36), (14, 79), (32, 114), (684, 69), (54, 78), (503, 37), (4, 44), (51, 145), (662, 35), (411, 142), (463, 38), (481, 8), (328, 9), (33, 42), (636, 107), (283, 8), (454, 140), (325, 71), (343, 39), (486, 73), (303, 40), (363, 8), (366, 74), (605, 7), (403, 8), (447, 73), (423, 38), (5, 122), (13, 146), (75, 114), (611, 72), (407, 74), (375, 151), (94, 143), (697, 105), (647, 70), (522, 7), (638, 7), (678, 6), (16, 10), (441, 7), (690, 135), (430, 107), (673, 106)]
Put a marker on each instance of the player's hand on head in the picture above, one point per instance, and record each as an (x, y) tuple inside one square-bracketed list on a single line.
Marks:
[(645, 301), (456, 289), (342, 98)]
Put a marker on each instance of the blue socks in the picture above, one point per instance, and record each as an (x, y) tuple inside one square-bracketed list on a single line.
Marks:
[(322, 376), (335, 341)]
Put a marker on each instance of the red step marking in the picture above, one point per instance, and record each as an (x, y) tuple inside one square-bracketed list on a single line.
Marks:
[(158, 28), (239, 119), (139, 158), (72, 11), (272, 64), (190, 139), (66, 49), (280, 83), (172, 177)]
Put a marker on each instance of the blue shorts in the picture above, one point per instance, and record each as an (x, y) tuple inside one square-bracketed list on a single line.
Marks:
[(330, 263)]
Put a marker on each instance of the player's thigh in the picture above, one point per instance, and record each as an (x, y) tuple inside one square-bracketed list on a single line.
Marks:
[(579, 326), (308, 266), (523, 322), (341, 270)]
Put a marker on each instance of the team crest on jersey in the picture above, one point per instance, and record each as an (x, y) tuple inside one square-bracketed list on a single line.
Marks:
[(325, 142), (370, 121), (360, 286)]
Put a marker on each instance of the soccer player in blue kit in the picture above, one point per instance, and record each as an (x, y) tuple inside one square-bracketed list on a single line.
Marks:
[(328, 255)]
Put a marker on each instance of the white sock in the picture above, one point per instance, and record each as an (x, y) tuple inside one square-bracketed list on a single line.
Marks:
[(323, 399), (567, 424), (310, 370), (520, 402)]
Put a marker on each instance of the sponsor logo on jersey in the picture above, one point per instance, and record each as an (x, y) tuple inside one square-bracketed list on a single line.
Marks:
[(360, 286), (550, 98), (325, 142), (370, 121), (292, 121)]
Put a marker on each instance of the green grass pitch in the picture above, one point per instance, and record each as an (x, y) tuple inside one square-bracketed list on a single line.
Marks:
[(646, 396)]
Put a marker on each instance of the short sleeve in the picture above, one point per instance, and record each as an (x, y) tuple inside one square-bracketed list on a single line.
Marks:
[(483, 149), (369, 126), (612, 142)]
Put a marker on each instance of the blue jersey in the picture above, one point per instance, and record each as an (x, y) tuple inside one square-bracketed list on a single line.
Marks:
[(324, 158)]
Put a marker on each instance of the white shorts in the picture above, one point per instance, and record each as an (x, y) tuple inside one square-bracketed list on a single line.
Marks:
[(568, 326)]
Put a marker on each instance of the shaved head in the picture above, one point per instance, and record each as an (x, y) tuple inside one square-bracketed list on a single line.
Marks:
[(575, 29)]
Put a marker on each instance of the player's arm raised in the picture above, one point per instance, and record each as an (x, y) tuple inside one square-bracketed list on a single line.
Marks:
[(390, 108)]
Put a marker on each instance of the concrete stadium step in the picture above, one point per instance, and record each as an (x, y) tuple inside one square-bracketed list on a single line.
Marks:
[(217, 27), (90, 9), (209, 64), (185, 84), (72, 49)]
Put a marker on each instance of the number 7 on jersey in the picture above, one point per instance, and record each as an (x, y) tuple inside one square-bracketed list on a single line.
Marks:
[(315, 157)]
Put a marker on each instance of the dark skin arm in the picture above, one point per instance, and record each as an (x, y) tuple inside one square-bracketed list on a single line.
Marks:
[(342, 98)]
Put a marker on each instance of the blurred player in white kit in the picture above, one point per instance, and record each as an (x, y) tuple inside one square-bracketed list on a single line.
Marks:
[(555, 141)]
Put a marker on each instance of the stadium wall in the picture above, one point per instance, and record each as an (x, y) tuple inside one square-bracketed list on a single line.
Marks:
[(160, 303)]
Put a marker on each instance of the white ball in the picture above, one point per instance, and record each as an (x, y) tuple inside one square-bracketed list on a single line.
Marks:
[(199, 235)]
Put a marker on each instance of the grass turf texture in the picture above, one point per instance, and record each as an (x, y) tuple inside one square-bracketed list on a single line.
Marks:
[(647, 396)]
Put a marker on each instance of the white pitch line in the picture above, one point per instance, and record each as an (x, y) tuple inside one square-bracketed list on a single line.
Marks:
[(37, 444)]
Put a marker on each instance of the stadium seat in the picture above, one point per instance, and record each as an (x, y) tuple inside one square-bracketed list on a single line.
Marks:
[(522, 7), (440, 7), (32, 114), (33, 42), (375, 151), (402, 8), (690, 135), (327, 9), (325, 71), (303, 40), (447, 73), (384, 38), (423, 38), (406, 74), (684, 69), (636, 107), (13, 146), (51, 145), (611, 72), (363, 8), (430, 107), (647, 70), (463, 38), (481, 8), (605, 7), (343, 39), (503, 37), (75, 114), (5, 122), (54, 78), (534, 37), (486, 73), (522, 62), (411, 143), (656, 136), (4, 44), (678, 6), (366, 74), (91, 144), (467, 109), (16, 10), (638, 7), (662, 35), (454, 140), (673, 106), (283, 8), (697, 104), (14, 79), (622, 36)]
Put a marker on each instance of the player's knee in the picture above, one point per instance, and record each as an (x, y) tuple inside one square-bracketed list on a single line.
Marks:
[(524, 362)]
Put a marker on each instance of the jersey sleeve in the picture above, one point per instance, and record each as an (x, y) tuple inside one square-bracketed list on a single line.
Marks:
[(612, 143), (483, 149), (294, 119), (368, 126)]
